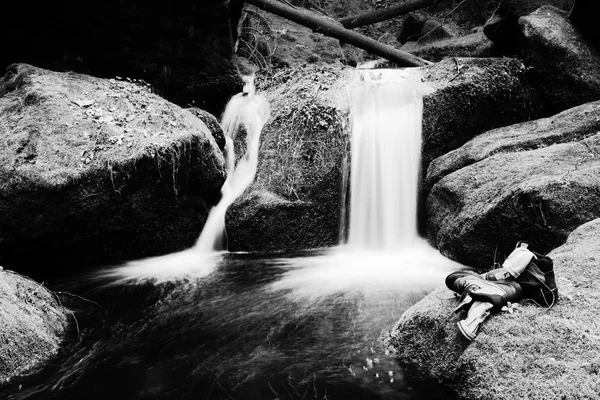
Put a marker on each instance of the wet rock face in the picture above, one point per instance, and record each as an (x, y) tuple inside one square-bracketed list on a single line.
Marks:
[(184, 51), (97, 171)]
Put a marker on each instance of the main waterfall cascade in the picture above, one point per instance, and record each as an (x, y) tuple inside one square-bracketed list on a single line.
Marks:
[(383, 251), (385, 120)]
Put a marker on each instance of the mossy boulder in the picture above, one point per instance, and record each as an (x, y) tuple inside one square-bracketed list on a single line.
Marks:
[(571, 125), (533, 353), (564, 66), (294, 200), (96, 171), (470, 96), (34, 325), (477, 213), (261, 221)]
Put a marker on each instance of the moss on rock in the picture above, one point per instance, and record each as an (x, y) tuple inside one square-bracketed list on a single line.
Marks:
[(476, 213), (33, 325), (95, 170)]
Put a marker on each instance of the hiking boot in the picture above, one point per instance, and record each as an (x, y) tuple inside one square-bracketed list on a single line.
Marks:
[(537, 278), (538, 281), (514, 265), (473, 287), (478, 312)]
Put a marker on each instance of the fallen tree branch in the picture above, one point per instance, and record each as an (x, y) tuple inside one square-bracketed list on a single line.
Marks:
[(332, 29), (385, 14)]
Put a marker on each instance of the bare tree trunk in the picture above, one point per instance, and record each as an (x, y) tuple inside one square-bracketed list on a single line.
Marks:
[(386, 13), (333, 29)]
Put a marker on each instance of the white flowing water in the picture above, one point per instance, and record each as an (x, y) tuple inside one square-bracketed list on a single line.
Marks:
[(384, 252), (248, 111), (386, 114)]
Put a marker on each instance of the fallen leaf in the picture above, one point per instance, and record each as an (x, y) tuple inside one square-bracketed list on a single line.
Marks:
[(84, 102)]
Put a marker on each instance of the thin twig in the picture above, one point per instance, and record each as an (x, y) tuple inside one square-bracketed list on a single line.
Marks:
[(443, 21)]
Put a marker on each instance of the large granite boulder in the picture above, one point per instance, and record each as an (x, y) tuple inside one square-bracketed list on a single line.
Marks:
[(470, 96), (503, 26), (34, 325), (570, 125), (294, 201), (477, 213), (184, 51), (565, 68), (95, 170), (533, 353)]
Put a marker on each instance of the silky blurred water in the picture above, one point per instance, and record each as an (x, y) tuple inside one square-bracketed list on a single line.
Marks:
[(385, 119), (241, 326)]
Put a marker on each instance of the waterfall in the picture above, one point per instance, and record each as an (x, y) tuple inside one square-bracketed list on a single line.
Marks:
[(385, 119), (248, 111)]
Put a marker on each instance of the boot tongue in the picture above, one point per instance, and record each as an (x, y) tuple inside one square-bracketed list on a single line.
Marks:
[(518, 260)]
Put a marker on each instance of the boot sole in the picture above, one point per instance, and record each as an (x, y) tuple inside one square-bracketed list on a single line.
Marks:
[(465, 332)]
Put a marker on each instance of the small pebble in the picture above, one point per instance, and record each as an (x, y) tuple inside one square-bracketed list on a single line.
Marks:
[(392, 380), (376, 361), (391, 373), (376, 375)]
